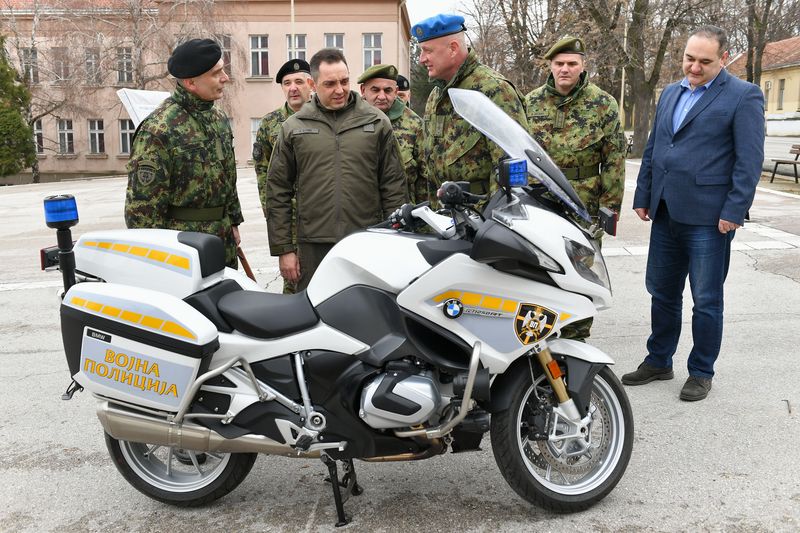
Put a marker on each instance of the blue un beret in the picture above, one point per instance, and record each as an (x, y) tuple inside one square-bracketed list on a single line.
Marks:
[(438, 26)]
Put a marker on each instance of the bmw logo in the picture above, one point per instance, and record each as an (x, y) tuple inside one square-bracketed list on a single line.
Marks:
[(453, 308)]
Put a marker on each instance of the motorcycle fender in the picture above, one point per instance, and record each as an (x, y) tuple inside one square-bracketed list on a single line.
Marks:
[(583, 363)]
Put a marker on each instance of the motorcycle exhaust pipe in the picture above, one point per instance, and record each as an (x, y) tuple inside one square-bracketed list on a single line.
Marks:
[(139, 427)]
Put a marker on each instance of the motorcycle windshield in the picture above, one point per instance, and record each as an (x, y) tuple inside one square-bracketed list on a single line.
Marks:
[(477, 109)]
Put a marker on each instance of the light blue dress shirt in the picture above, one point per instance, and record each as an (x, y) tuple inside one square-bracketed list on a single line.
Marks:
[(686, 101)]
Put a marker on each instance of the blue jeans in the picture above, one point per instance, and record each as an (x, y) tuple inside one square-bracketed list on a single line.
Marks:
[(703, 254)]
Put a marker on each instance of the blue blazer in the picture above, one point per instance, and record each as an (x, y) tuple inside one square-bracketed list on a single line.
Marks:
[(708, 169)]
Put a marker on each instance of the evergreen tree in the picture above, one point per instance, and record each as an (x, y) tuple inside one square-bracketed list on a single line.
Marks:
[(16, 137)]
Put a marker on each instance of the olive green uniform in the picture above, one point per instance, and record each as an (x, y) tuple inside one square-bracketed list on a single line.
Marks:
[(265, 142), (344, 169), (581, 133), (452, 149), (409, 130), (182, 171)]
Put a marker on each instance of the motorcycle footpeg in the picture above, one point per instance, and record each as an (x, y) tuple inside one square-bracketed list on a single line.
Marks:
[(303, 442)]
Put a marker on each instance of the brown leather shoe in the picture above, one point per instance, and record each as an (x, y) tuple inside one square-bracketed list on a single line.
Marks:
[(695, 389), (645, 374)]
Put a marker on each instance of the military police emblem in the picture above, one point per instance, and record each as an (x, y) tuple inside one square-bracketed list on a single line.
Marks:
[(533, 322), (146, 172)]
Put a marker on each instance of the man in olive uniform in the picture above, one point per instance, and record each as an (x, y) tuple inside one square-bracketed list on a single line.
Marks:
[(182, 169), (453, 149), (577, 123), (339, 158), (379, 89), (293, 78)]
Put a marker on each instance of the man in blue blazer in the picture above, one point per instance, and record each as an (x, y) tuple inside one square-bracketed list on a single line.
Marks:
[(697, 180)]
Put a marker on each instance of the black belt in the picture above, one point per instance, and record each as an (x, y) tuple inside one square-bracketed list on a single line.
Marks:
[(196, 214), (581, 173)]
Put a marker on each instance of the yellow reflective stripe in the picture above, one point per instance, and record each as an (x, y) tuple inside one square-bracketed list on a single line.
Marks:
[(94, 306), (121, 248), (564, 316), (510, 306), (446, 296), (80, 302), (104, 245), (111, 311), (491, 302), (470, 298), (178, 261), (89, 243), (138, 250), (177, 329), (152, 322), (157, 255), (130, 316)]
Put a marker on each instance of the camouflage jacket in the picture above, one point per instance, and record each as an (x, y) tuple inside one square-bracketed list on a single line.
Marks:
[(408, 130), (343, 167), (581, 130), (262, 149), (453, 149), (182, 171)]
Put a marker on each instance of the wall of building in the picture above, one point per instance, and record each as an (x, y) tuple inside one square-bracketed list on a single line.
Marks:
[(783, 118)]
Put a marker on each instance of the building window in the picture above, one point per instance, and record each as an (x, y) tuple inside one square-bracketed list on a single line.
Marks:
[(124, 64), (126, 131), (60, 64), (334, 40), (38, 136), (97, 137), (372, 49), (92, 66), (30, 65), (225, 44), (781, 91), (767, 90), (259, 55), (255, 123), (299, 51), (66, 137)]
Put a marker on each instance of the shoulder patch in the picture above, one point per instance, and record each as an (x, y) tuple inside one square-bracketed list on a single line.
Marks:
[(146, 172), (369, 128)]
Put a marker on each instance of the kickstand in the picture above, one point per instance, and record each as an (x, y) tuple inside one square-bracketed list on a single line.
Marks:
[(349, 483)]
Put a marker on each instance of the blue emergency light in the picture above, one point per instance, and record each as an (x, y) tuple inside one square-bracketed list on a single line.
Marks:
[(60, 211), (517, 172)]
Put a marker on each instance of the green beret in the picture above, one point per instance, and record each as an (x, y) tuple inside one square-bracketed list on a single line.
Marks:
[(386, 72), (567, 45), (193, 58)]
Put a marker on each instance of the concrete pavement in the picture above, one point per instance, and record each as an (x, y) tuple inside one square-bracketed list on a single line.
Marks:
[(729, 463)]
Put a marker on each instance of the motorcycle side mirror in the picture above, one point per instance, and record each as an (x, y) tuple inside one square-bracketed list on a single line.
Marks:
[(608, 221)]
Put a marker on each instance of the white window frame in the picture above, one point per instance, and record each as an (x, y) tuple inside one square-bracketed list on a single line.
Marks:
[(126, 131), (60, 60), (97, 136), (124, 64), (38, 136), (299, 46), (259, 55), (255, 124), (370, 49), (66, 136), (331, 38), (91, 63), (224, 40), (30, 64), (781, 94)]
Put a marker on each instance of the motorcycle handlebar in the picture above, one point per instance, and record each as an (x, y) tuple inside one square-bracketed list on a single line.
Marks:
[(455, 193)]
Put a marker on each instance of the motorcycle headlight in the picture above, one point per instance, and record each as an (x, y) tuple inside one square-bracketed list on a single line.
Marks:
[(588, 262)]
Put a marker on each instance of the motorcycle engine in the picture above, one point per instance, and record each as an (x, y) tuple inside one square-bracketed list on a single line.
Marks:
[(399, 398)]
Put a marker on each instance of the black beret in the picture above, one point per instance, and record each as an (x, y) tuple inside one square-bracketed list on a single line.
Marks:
[(193, 58), (293, 66), (402, 83)]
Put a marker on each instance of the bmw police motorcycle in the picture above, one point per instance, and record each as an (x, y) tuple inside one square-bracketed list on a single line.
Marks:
[(406, 344)]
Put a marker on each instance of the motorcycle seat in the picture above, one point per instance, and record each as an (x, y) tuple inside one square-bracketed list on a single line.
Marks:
[(266, 315)]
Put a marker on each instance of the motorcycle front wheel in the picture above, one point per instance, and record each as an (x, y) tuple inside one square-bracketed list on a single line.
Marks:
[(179, 477), (550, 473)]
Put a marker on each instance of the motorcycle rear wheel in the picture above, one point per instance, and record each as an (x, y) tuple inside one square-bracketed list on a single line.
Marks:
[(540, 472), (184, 478)]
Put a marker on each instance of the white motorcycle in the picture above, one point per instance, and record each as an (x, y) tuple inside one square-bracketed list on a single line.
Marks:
[(405, 344)]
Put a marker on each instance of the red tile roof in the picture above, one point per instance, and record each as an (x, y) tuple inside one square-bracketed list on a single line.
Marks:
[(780, 54)]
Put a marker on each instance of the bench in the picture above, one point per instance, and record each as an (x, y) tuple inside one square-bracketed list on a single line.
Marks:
[(796, 151)]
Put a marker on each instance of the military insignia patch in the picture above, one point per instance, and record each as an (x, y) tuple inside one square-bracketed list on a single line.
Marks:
[(392, 72), (453, 308), (578, 46), (258, 151), (533, 323), (146, 172), (420, 32), (296, 66)]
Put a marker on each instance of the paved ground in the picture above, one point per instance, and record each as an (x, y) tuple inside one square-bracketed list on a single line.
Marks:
[(729, 463)]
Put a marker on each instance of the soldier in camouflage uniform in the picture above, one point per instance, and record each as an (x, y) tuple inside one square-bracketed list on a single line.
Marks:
[(182, 169), (453, 149), (293, 78), (379, 89), (577, 123)]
